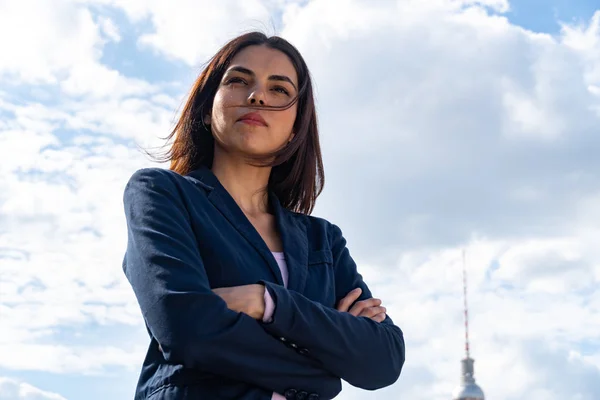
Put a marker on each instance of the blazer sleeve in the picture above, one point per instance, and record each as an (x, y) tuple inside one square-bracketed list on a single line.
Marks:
[(365, 353), (190, 322)]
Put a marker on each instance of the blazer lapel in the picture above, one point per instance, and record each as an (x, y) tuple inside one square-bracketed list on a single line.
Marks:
[(295, 244), (223, 201)]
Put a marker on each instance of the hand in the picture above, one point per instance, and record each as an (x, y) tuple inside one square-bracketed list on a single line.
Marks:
[(370, 308), (248, 299)]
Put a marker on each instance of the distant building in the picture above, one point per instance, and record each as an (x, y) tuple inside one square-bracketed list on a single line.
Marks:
[(468, 389)]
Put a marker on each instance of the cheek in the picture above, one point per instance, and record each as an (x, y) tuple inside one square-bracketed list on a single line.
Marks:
[(219, 103), (284, 127), (220, 108), (290, 117)]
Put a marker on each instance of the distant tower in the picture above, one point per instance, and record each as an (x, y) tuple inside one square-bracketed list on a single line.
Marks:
[(468, 389)]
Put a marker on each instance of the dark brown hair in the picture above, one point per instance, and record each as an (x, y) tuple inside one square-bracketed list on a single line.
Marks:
[(297, 176)]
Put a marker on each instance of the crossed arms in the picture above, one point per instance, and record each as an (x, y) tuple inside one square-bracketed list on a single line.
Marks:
[(194, 325)]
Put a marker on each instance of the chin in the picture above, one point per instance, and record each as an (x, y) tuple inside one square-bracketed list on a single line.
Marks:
[(253, 147), (256, 152)]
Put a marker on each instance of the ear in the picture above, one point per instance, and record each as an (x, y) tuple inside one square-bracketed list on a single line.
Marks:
[(291, 137), (206, 119)]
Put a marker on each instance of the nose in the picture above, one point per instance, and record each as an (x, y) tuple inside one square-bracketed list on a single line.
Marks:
[(254, 101), (256, 97)]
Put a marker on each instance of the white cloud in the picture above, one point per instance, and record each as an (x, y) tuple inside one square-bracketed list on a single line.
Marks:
[(190, 30), (62, 246), (84, 360), (110, 29), (91, 78), (585, 38), (64, 36), (449, 100), (11, 389), (64, 49)]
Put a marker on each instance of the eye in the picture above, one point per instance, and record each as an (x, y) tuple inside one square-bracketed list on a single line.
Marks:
[(235, 79), (281, 89)]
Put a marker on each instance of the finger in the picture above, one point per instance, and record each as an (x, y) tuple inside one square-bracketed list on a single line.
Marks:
[(350, 298), (361, 305), (372, 311), (379, 317)]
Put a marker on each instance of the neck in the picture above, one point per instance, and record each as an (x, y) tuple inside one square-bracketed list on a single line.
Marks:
[(247, 184)]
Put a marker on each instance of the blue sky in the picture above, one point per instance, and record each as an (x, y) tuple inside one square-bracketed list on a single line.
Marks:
[(474, 134), (546, 16)]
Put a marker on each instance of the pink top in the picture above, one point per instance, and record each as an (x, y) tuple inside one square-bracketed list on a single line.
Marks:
[(270, 304)]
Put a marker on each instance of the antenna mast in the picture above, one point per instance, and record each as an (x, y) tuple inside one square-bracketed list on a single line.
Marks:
[(468, 389), (465, 303)]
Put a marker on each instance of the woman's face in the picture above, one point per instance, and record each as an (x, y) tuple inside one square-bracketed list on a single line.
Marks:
[(257, 75)]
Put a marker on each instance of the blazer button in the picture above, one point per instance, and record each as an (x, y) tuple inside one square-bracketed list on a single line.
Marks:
[(293, 345), (302, 395), (303, 351), (283, 339), (313, 396), (290, 394)]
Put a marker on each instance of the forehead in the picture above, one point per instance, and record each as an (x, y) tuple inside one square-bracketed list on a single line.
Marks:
[(265, 61)]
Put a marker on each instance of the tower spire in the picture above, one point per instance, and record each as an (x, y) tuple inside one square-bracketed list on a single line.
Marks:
[(468, 389), (466, 307)]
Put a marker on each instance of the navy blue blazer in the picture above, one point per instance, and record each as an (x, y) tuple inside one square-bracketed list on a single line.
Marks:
[(187, 235)]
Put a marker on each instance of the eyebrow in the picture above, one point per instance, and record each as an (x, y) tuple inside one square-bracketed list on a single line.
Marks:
[(246, 71)]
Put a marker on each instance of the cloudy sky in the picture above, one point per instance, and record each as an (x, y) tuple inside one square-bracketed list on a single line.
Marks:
[(446, 125)]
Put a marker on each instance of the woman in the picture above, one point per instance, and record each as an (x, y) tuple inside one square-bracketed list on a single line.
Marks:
[(244, 295)]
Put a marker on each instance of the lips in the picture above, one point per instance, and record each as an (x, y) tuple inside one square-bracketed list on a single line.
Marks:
[(253, 118)]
